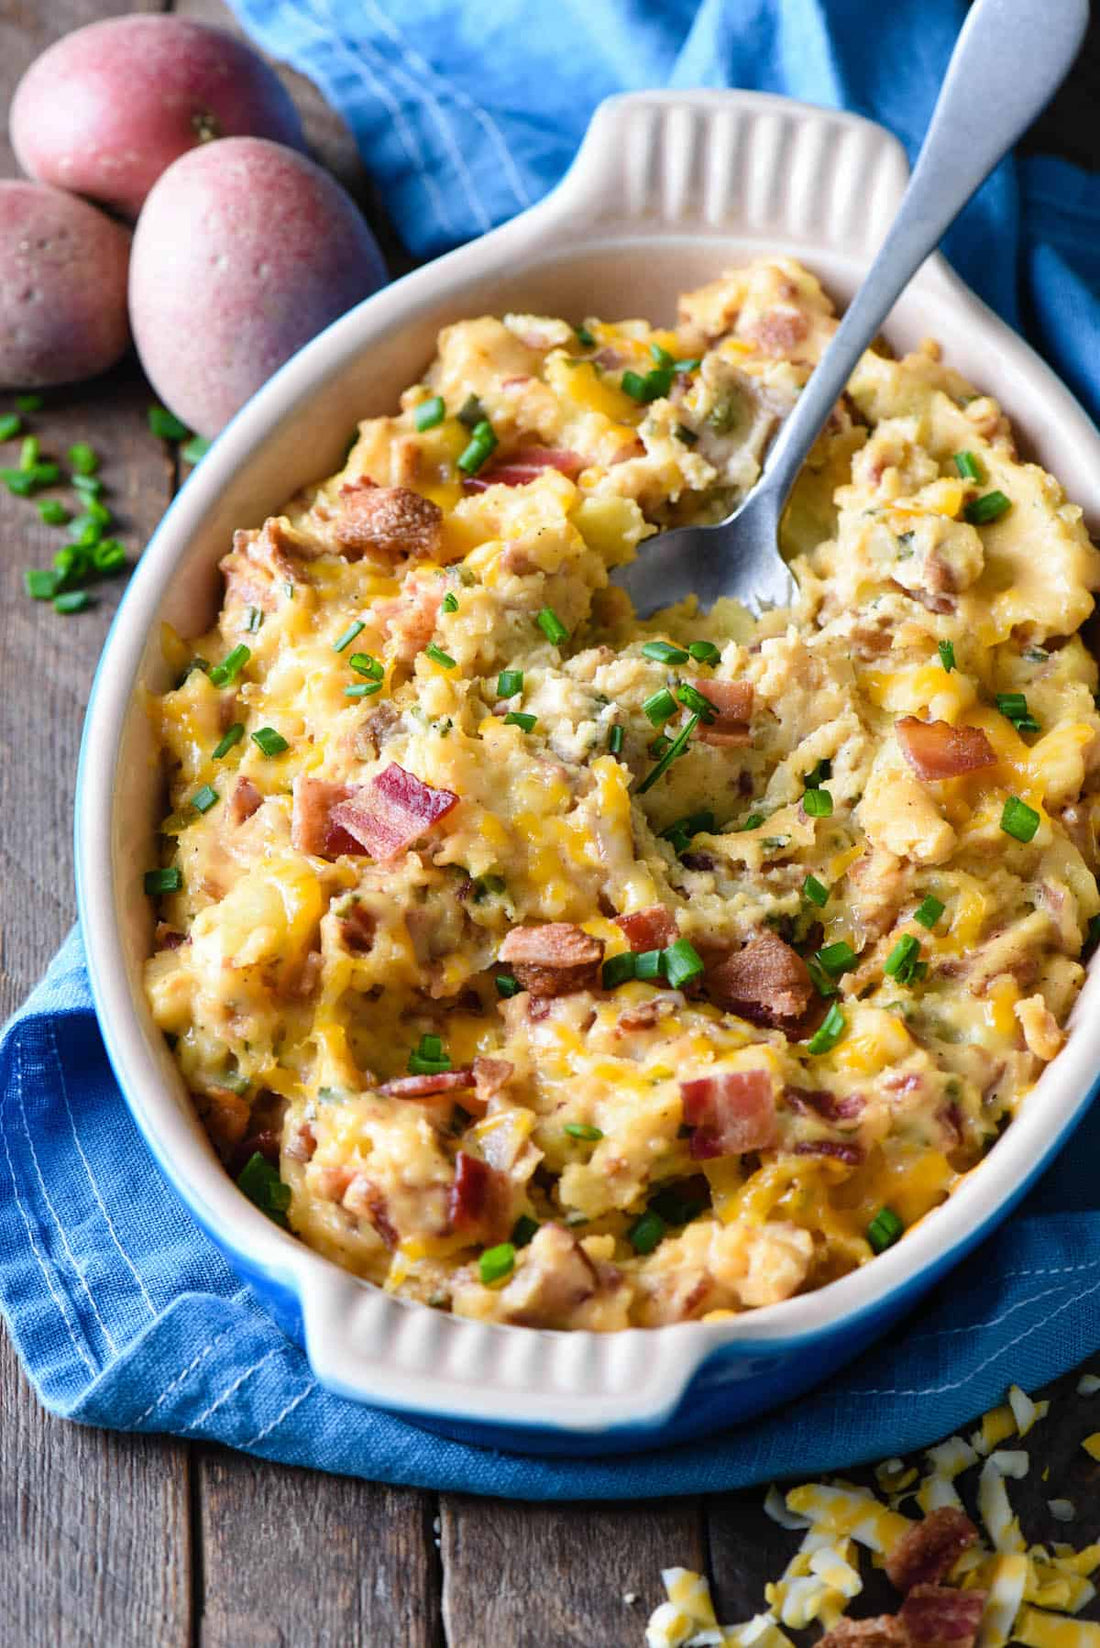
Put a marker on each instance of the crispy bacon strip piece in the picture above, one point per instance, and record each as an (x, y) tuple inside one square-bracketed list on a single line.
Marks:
[(391, 812), (312, 829), (479, 1202), (553, 959), (937, 1616), (491, 1077), (733, 701), (884, 1631), (766, 982), (385, 520), (928, 1550), (428, 1086), (526, 464), (730, 1113), (935, 749), (651, 929), (245, 800)]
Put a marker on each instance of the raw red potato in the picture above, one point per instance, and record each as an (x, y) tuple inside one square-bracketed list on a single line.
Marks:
[(109, 107), (62, 288), (244, 252)]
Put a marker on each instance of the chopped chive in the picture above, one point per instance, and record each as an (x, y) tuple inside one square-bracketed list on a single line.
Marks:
[(646, 1232), (82, 459), (682, 830), (1018, 819), (517, 718), (685, 435), (659, 745), (429, 1059), (231, 666), (507, 985), (615, 740), (817, 804), (165, 425), (496, 1263), (884, 1229), (663, 652), (693, 699), (430, 413), (585, 338), (355, 628), (30, 452), (675, 1206), (108, 555), (269, 741), (255, 619), (704, 652), (816, 891), (88, 486), (818, 773), (10, 426), (232, 736), (1012, 704), (928, 912), (683, 963), (676, 748), (990, 507), (649, 387), (74, 600), (836, 958), (946, 650), (195, 450), (524, 1230), (552, 626), (262, 1185), (829, 1032), (691, 365), (471, 412), (509, 682), (19, 482), (823, 984), (204, 799), (751, 821), (40, 584), (649, 964), (157, 882), (584, 1130), (661, 356), (483, 443), (450, 601), (968, 466), (903, 957), (659, 707), (53, 512), (29, 403), (617, 969), (363, 664), (438, 656), (363, 689), (195, 663)]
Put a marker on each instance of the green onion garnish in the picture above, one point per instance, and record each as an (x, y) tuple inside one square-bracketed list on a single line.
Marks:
[(40, 584), (946, 650), (816, 891), (617, 969), (902, 959), (233, 735), (751, 821), (255, 619), (615, 740), (10, 426), (819, 772), (884, 1229), (817, 804), (837, 958), (693, 699), (157, 882), (108, 555), (438, 656), (82, 459), (428, 1059), (646, 1232), (968, 466), (1013, 706), (659, 707), (30, 452), (74, 600), (363, 664), (496, 1263), (517, 718), (829, 1032), (584, 1130), (676, 748), (990, 507), (483, 443), (450, 601), (661, 356), (363, 689), (89, 486), (663, 652), (269, 741), (552, 626), (704, 652), (650, 964), (686, 435), (18, 482), (471, 412), (262, 1185), (29, 403), (230, 667), (355, 628), (928, 912), (524, 1230), (676, 1205), (165, 425), (195, 450), (648, 388), (204, 799), (585, 338), (1018, 819), (682, 830), (430, 413), (682, 963), (509, 682), (53, 512), (507, 985)]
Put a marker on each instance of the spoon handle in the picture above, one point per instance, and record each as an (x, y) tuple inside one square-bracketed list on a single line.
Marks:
[(1009, 60)]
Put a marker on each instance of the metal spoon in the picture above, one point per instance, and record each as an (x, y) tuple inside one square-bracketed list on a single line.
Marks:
[(1009, 60)]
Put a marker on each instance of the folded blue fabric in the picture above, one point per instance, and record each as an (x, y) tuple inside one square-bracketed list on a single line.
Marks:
[(123, 1312)]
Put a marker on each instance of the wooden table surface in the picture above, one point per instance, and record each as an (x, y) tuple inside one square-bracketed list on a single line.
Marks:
[(112, 1541)]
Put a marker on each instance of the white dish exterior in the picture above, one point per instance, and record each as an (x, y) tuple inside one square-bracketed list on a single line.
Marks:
[(668, 189)]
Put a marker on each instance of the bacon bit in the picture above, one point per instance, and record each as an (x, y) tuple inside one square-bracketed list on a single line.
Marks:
[(265, 1143), (733, 701), (366, 1200), (731, 1112), (934, 1616), (824, 1104), (385, 520), (478, 1202), (428, 1086), (525, 465), (302, 1144), (928, 1550), (259, 564), (312, 827), (651, 929), (169, 938), (766, 982), (491, 1077), (778, 331), (935, 749), (245, 800), (840, 1150), (698, 861), (332, 1182), (553, 959), (357, 930), (395, 809), (610, 358), (884, 1631), (642, 1017), (409, 619)]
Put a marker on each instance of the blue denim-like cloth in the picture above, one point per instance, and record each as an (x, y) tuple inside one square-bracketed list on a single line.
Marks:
[(123, 1312)]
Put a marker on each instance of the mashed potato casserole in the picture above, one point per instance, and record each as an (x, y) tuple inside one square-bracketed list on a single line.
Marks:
[(564, 970)]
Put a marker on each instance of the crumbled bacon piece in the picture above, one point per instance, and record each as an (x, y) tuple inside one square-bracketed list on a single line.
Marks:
[(429, 1085), (553, 959), (478, 1202), (927, 1551), (778, 331), (824, 1104), (312, 828), (391, 812), (766, 982), (357, 929), (302, 1143), (491, 1077), (169, 938), (935, 749), (937, 1616), (730, 1112), (841, 1150), (525, 465), (883, 1631), (653, 928), (265, 1143), (733, 701), (245, 800), (391, 521), (366, 1200), (409, 618), (260, 564)]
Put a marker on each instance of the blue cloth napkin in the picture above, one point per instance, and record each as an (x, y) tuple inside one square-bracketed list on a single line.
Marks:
[(122, 1311)]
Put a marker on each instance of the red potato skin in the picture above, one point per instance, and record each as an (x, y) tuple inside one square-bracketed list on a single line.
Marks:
[(244, 252), (106, 109), (62, 288)]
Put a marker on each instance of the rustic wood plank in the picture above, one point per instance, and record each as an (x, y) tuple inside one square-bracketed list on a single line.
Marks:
[(559, 1576), (291, 1556)]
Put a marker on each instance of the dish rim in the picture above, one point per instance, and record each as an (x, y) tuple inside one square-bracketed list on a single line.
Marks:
[(342, 1314)]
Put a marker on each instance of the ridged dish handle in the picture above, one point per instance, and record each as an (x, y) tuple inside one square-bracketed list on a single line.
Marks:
[(406, 1356)]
